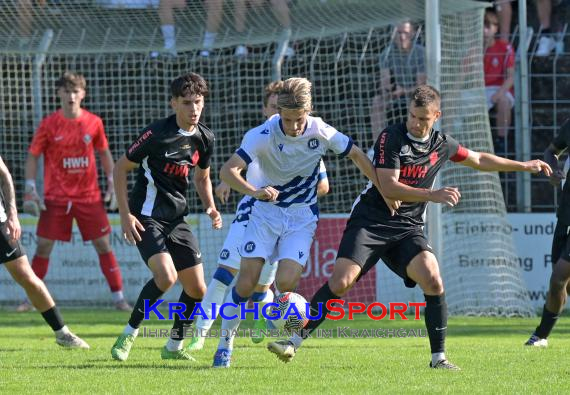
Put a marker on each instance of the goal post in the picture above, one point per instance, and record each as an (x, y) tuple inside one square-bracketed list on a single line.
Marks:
[(342, 46)]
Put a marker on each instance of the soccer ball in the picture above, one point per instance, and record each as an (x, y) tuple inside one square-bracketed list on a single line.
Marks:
[(292, 322)]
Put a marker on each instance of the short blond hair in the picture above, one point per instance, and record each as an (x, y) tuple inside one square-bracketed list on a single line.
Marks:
[(295, 95), (273, 88)]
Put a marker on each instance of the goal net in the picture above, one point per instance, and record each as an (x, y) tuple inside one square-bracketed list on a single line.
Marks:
[(357, 67)]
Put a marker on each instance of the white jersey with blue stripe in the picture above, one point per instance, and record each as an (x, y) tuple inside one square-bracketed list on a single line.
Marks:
[(245, 205), (291, 164)]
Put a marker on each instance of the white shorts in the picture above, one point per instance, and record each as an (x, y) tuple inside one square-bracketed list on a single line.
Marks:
[(491, 90), (281, 233), (230, 256)]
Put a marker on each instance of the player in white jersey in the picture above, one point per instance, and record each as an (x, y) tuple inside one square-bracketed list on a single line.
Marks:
[(288, 148), (229, 258)]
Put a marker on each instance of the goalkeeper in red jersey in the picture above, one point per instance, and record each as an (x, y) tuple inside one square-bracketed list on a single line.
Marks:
[(68, 139)]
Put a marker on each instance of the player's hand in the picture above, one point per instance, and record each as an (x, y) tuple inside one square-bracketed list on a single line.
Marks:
[(223, 192), (110, 198), (448, 195), (33, 203), (398, 92), (537, 166), (556, 178), (215, 217), (268, 194), (131, 227), (393, 205), (13, 228)]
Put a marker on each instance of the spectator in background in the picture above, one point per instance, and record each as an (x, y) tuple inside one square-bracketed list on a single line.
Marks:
[(505, 13), (215, 8), (166, 15), (546, 43), (499, 64), (165, 9), (402, 68)]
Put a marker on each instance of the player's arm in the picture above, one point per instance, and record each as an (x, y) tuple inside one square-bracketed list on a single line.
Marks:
[(222, 191), (322, 187), (323, 183), (394, 189), (488, 162), (7, 185), (230, 173), (107, 163), (129, 223), (367, 168), (203, 185)]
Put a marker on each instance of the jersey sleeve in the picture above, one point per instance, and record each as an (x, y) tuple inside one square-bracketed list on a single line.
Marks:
[(252, 144), (338, 142), (100, 142), (455, 151), (206, 156), (40, 140), (562, 138), (322, 171), (141, 147), (387, 151)]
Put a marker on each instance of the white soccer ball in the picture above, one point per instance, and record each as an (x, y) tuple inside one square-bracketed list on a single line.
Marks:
[(288, 319)]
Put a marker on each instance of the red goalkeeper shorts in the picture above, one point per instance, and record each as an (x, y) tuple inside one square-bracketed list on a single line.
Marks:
[(56, 221)]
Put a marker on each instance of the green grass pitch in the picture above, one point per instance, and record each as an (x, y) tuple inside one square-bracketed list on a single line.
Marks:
[(489, 351)]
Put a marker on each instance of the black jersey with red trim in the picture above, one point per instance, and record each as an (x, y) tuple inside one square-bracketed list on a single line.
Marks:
[(418, 161), (166, 155), (562, 142)]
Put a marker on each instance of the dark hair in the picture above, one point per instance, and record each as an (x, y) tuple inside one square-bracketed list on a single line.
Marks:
[(491, 16), (190, 83), (71, 80), (273, 88), (424, 95)]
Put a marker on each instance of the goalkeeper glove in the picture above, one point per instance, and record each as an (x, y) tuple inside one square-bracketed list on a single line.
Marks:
[(33, 204), (110, 198)]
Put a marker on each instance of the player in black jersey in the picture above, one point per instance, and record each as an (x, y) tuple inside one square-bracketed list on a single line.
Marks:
[(560, 277), (14, 258), (153, 218), (407, 158)]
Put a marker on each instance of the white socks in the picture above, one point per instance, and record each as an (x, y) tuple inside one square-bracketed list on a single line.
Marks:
[(229, 326), (436, 357), (209, 40), (296, 340), (62, 332), (214, 294), (174, 345), (169, 36), (117, 296), (129, 330)]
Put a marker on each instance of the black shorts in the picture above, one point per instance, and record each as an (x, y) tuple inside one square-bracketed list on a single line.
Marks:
[(561, 242), (9, 249), (174, 238), (365, 244)]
